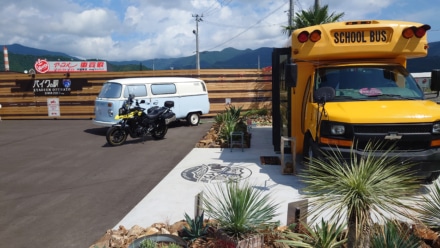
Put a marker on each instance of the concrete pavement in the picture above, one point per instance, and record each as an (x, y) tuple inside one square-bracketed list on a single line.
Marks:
[(175, 194)]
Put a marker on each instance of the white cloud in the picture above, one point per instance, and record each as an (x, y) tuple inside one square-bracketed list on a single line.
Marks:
[(137, 29)]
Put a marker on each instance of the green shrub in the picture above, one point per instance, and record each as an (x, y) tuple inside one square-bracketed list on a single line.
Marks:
[(239, 208), (196, 228), (394, 235), (323, 235)]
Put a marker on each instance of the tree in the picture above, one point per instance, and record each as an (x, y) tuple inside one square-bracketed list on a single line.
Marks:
[(313, 16), (359, 189)]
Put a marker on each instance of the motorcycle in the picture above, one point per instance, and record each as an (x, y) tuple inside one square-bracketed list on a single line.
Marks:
[(136, 123)]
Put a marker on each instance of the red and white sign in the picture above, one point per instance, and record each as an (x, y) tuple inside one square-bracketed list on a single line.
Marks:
[(53, 106), (43, 66)]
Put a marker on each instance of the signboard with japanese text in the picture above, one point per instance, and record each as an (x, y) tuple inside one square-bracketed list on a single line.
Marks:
[(44, 66), (50, 87)]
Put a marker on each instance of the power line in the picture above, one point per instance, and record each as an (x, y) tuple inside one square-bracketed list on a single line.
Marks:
[(236, 26), (212, 9), (248, 28)]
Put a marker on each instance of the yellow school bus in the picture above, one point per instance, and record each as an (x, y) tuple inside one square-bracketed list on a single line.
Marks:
[(346, 83)]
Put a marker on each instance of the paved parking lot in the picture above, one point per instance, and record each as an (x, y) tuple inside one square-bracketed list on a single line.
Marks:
[(61, 185)]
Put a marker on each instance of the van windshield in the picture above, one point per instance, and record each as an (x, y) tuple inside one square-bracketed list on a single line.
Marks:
[(110, 90), (379, 82)]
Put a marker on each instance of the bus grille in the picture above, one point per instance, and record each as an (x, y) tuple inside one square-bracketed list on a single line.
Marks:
[(412, 137)]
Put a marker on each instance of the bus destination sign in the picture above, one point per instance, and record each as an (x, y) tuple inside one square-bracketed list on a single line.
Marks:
[(361, 36)]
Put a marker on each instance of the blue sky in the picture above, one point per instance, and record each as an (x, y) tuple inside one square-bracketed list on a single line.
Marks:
[(148, 29)]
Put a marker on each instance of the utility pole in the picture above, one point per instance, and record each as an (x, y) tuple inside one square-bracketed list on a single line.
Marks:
[(196, 32), (317, 4), (291, 14)]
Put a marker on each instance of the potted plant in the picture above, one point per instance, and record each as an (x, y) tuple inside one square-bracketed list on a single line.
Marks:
[(151, 241)]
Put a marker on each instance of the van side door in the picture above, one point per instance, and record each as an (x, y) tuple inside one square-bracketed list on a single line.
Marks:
[(162, 92)]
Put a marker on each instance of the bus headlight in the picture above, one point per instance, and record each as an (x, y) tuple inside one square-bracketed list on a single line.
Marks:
[(436, 128), (338, 129), (110, 113)]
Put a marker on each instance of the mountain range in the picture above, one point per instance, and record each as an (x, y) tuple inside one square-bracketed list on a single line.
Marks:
[(23, 58)]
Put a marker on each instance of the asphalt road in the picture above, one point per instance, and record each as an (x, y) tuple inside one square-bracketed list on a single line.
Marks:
[(61, 185)]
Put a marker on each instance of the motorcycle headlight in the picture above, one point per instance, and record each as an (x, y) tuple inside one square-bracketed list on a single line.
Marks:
[(122, 111)]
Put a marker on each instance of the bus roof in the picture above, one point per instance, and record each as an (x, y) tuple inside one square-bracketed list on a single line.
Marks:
[(374, 39)]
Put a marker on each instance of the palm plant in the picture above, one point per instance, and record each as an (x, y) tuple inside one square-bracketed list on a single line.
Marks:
[(361, 188), (430, 207), (239, 208), (313, 16), (324, 235), (392, 235), (227, 121)]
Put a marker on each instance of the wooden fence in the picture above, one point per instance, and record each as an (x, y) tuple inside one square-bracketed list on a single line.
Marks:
[(24, 96)]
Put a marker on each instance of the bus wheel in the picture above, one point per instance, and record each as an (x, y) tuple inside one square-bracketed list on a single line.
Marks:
[(193, 119), (307, 149)]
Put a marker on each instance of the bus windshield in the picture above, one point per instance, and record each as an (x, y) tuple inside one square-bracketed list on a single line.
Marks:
[(378, 82)]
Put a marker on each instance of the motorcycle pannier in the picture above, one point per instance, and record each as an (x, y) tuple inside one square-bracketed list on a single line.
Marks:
[(169, 117)]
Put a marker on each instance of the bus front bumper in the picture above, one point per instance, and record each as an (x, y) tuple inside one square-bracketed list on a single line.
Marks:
[(425, 162)]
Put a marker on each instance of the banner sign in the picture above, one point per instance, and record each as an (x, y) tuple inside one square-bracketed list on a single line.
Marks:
[(44, 66)]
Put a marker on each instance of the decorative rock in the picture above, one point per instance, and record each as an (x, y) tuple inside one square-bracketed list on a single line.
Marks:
[(122, 230), (151, 231), (178, 226), (436, 243), (135, 231), (424, 232), (117, 241)]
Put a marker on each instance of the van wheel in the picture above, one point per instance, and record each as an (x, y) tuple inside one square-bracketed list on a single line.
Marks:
[(193, 119)]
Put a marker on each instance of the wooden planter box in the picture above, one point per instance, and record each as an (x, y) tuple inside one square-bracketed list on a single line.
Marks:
[(253, 241)]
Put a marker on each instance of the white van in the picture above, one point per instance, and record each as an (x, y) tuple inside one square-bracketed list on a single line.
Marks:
[(190, 97)]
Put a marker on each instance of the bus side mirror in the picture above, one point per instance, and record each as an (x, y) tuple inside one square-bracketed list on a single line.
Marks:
[(291, 75), (435, 80)]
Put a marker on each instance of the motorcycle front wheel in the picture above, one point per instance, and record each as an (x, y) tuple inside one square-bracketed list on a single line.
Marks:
[(116, 136), (160, 131)]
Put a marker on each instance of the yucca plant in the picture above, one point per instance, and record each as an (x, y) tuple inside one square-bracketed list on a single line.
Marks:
[(322, 235), (239, 208), (361, 188), (392, 235), (196, 228), (430, 207)]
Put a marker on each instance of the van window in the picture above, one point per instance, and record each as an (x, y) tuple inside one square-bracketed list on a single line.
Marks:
[(110, 90), (137, 90), (161, 89)]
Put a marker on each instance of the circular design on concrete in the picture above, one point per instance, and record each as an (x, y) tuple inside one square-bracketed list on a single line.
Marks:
[(216, 173)]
